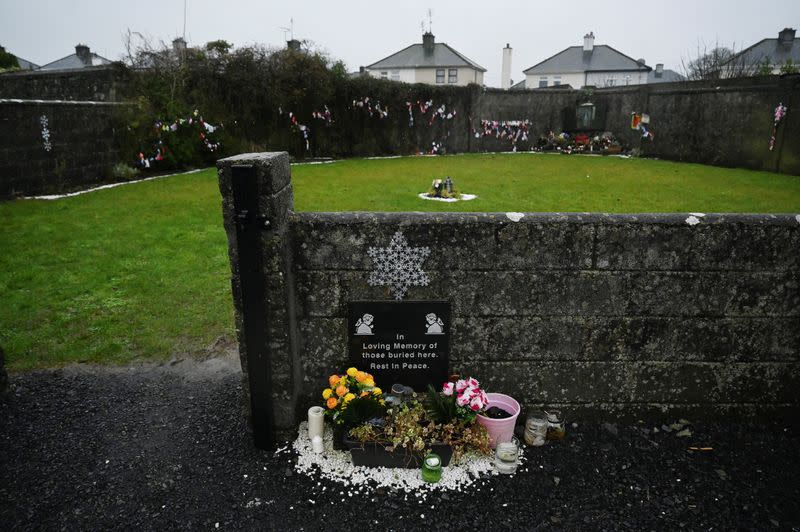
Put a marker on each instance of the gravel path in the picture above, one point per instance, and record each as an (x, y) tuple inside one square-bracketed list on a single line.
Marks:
[(166, 447)]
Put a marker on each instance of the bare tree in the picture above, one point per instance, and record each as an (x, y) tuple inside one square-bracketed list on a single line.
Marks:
[(720, 62)]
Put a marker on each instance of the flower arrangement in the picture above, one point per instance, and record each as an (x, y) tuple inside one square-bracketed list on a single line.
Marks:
[(352, 398), (410, 427), (460, 400)]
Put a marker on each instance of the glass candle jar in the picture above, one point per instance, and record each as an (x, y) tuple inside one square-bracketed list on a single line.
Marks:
[(505, 457), (556, 428), (399, 391), (432, 468), (536, 428)]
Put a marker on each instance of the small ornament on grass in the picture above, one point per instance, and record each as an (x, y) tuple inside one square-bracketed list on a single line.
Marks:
[(444, 190)]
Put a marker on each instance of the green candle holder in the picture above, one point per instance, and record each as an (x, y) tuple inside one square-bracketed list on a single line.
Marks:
[(432, 468)]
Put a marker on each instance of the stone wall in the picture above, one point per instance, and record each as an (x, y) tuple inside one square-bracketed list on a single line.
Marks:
[(724, 122), (611, 315), (99, 84), (80, 137)]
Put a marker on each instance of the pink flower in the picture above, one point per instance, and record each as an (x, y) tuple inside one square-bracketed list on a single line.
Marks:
[(447, 388), (462, 400), (476, 404), (461, 385), (472, 383)]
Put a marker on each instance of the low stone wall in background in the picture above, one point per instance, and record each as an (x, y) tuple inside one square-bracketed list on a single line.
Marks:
[(95, 84), (725, 123), (49, 147), (609, 315)]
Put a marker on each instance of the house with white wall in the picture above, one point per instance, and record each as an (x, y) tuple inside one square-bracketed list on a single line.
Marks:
[(590, 64), (428, 62)]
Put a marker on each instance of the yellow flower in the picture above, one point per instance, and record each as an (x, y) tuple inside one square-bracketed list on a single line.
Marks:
[(377, 391), (333, 380), (332, 402), (352, 372), (326, 393), (369, 383), (361, 376), (349, 397), (341, 390), (363, 394)]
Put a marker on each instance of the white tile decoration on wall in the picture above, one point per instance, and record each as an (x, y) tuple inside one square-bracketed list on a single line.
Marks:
[(46, 144), (398, 266)]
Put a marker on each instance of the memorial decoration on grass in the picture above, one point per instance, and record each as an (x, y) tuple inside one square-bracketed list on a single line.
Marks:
[(46, 144), (603, 143), (512, 130), (641, 122), (398, 266), (165, 133), (444, 190), (778, 115), (373, 107)]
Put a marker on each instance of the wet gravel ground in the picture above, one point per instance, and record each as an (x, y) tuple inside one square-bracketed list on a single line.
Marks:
[(168, 448)]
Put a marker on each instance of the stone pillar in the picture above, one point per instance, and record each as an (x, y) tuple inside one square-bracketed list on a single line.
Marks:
[(256, 201)]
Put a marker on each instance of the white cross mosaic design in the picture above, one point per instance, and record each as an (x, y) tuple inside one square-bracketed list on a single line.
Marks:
[(398, 266)]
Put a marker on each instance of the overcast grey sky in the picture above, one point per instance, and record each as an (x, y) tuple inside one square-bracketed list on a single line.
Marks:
[(363, 32)]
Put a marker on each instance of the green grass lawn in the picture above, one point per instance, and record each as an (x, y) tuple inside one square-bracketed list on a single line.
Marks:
[(528, 182), (141, 271)]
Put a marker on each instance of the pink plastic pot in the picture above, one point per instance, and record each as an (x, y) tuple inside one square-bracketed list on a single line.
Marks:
[(500, 430)]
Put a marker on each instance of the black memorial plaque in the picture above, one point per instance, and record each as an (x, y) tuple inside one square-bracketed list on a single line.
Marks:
[(404, 342)]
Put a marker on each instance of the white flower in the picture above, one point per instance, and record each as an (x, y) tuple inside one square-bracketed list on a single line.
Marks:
[(461, 385), (447, 388), (462, 400)]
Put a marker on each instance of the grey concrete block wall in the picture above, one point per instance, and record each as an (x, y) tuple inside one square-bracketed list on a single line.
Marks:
[(631, 315)]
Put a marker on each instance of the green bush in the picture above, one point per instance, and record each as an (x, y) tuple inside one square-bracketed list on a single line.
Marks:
[(123, 172)]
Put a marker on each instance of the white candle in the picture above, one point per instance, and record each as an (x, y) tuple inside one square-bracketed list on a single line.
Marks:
[(316, 444), (316, 420)]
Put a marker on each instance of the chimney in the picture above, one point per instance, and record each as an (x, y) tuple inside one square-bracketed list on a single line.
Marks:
[(294, 45), (362, 70), (786, 37), (179, 46), (659, 70), (505, 75), (83, 53), (427, 42), (588, 42)]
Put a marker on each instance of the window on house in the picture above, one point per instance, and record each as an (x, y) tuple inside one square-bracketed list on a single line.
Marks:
[(452, 75), (439, 75), (395, 75), (542, 82), (384, 75), (556, 81), (611, 81)]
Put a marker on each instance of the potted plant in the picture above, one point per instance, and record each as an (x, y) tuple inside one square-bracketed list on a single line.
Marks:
[(499, 417), (351, 399)]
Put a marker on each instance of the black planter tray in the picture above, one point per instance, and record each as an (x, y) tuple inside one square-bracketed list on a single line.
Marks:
[(381, 455)]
